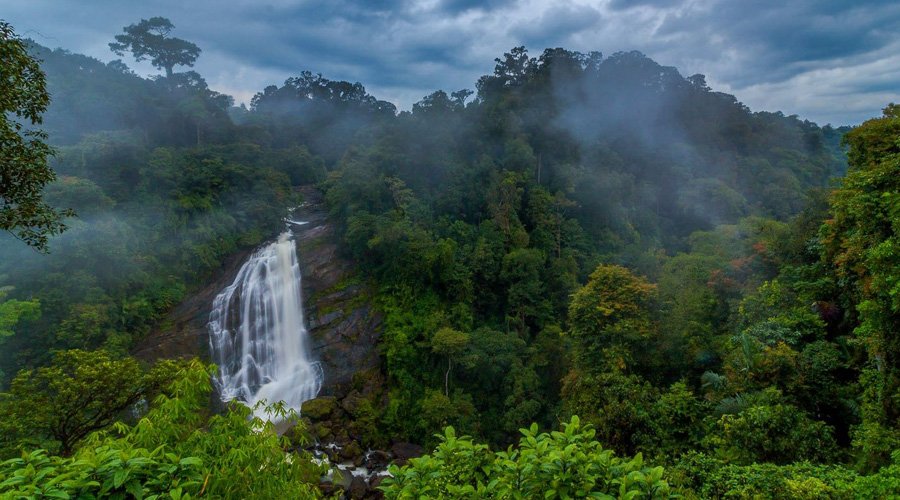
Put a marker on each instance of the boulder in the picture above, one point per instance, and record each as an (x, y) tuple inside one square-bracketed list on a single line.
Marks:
[(352, 402), (323, 433), (327, 488), (404, 451), (377, 460), (351, 451), (319, 409), (374, 492), (358, 488)]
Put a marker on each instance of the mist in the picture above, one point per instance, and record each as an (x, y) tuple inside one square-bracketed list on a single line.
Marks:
[(160, 172)]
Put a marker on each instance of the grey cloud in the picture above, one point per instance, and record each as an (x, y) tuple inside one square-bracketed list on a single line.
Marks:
[(629, 4), (556, 24), (458, 6), (766, 52), (777, 40)]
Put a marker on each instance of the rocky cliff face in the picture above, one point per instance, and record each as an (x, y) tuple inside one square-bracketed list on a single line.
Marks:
[(341, 320), (183, 334), (343, 325)]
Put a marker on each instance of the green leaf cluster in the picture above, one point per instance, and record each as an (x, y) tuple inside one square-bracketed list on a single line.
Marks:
[(176, 450), (561, 464)]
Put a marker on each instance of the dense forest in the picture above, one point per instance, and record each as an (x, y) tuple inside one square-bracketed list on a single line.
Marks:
[(596, 276)]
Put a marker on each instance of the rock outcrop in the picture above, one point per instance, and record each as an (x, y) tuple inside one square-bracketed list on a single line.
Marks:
[(182, 333), (341, 320)]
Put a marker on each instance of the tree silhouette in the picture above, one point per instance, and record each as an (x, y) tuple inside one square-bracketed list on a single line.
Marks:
[(149, 39)]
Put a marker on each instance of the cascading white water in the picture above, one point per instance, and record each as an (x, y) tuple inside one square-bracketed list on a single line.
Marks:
[(257, 332)]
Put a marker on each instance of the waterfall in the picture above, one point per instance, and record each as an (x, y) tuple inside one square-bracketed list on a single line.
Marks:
[(257, 333)]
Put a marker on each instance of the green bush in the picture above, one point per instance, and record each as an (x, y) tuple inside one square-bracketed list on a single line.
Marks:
[(561, 464), (177, 450)]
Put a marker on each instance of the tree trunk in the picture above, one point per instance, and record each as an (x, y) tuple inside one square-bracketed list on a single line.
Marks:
[(447, 379)]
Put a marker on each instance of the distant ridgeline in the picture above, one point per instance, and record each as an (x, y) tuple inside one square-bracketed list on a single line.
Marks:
[(581, 235)]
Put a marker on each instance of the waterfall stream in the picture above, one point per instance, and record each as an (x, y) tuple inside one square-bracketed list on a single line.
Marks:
[(257, 332)]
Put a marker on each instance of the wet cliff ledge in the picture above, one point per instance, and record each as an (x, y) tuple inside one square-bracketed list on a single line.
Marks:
[(341, 320), (342, 323)]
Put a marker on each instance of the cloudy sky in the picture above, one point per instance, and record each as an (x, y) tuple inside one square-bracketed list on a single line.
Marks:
[(830, 61)]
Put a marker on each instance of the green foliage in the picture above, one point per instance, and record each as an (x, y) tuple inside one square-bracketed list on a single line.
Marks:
[(860, 241), (439, 410), (14, 311), (698, 475), (103, 472), (774, 432), (619, 406), (57, 406), (561, 464), (176, 450), (450, 343), (883, 484), (24, 152), (677, 422), (610, 316)]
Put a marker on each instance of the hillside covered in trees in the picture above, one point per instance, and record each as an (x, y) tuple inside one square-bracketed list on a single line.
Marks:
[(594, 274)]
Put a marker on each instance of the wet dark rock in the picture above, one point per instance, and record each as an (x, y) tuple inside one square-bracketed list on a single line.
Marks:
[(358, 488), (342, 323), (319, 409), (327, 488), (352, 402), (377, 459), (404, 451), (351, 451), (374, 483), (341, 436), (333, 454)]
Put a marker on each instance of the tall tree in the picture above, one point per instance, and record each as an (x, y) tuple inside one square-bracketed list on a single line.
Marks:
[(81, 392), (862, 242), (24, 170), (149, 39), (610, 315)]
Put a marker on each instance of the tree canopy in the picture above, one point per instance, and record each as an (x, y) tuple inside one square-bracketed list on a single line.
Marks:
[(149, 39), (592, 235), (24, 152)]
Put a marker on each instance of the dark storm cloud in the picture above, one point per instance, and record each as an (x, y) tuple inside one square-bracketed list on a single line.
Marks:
[(457, 6), (830, 61), (778, 40), (556, 24), (381, 48), (629, 4)]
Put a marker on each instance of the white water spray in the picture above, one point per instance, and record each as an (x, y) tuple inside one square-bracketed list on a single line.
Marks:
[(257, 332)]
